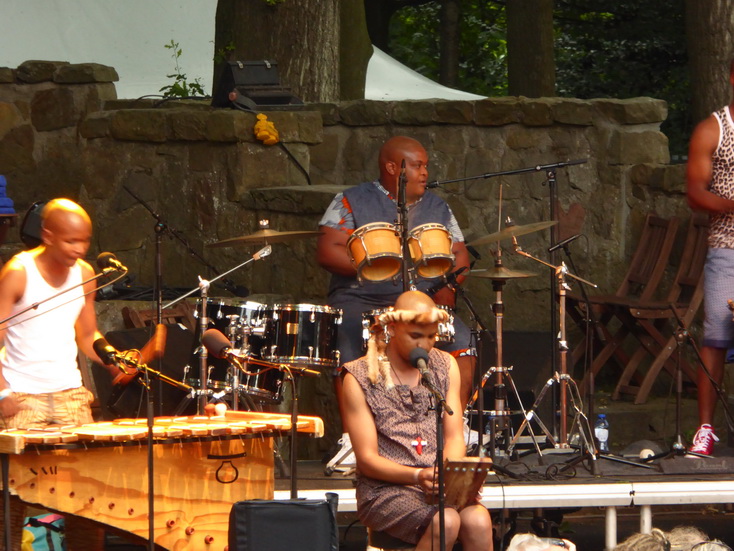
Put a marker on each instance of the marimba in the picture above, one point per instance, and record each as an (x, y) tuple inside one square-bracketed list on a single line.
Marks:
[(201, 467)]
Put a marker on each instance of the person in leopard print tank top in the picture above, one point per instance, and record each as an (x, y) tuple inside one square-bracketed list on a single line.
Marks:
[(710, 188), (393, 432)]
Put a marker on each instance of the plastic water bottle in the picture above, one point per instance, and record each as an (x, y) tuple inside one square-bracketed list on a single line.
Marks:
[(601, 431)]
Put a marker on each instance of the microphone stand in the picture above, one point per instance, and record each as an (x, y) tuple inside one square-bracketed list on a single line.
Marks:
[(550, 170), (480, 328), (294, 432), (161, 227), (35, 305), (440, 406), (402, 224), (536, 168)]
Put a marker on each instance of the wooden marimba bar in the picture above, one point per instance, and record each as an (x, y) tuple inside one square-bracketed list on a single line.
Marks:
[(201, 467)]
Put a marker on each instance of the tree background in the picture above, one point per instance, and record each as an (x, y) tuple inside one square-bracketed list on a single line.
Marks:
[(675, 50), (602, 49)]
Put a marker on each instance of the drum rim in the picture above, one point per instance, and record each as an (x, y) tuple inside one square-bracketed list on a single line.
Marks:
[(298, 361), (226, 301), (430, 225), (305, 307)]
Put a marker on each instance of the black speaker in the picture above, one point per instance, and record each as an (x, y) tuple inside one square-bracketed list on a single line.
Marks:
[(288, 525), (30, 228), (252, 84), (129, 400)]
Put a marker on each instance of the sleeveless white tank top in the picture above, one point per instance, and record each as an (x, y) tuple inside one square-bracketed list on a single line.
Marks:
[(40, 353)]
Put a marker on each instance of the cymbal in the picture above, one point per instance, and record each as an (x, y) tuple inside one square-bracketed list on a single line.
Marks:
[(265, 236), (499, 272), (512, 231)]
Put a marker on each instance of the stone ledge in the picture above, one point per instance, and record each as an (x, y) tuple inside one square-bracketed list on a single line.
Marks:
[(631, 111), (215, 125), (7, 75), (85, 73), (34, 71)]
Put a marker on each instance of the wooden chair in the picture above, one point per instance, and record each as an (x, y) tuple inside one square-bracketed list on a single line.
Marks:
[(182, 313), (654, 323), (641, 281)]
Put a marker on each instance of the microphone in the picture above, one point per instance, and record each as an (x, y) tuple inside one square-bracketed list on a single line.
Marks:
[(419, 360), (450, 281), (107, 353), (219, 346), (564, 243), (107, 261)]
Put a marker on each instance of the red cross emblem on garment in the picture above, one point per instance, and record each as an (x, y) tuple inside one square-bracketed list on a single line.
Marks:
[(418, 443)]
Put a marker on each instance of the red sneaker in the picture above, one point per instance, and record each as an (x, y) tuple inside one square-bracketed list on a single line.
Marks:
[(703, 442)]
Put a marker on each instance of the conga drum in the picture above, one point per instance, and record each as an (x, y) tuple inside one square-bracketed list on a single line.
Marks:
[(375, 251)]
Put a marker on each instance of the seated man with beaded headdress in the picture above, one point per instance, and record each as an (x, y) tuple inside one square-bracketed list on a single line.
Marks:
[(393, 433)]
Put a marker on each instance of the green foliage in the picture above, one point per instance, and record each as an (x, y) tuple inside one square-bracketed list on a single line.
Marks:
[(414, 41), (619, 49), (625, 49), (180, 87), (223, 54)]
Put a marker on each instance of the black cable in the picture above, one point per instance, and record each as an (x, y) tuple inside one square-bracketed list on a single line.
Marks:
[(287, 151)]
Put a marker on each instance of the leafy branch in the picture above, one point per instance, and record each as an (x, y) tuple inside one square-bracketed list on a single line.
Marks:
[(180, 87)]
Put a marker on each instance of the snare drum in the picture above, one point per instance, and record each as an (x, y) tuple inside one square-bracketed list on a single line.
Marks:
[(375, 251), (302, 335), (445, 333), (430, 250)]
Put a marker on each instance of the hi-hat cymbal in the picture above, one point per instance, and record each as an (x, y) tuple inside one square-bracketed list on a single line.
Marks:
[(512, 231), (499, 272), (263, 237)]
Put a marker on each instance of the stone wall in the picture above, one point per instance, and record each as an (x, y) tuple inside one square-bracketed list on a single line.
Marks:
[(203, 175)]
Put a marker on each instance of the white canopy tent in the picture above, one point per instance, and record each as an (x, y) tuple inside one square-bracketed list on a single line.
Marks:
[(130, 36)]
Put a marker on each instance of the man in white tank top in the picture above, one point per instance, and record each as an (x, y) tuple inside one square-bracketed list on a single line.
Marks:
[(710, 188), (40, 382)]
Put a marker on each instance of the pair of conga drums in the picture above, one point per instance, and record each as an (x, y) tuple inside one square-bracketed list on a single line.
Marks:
[(377, 255)]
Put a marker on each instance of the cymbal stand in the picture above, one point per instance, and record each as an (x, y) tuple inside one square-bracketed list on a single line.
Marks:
[(500, 421), (203, 287), (567, 388), (562, 376)]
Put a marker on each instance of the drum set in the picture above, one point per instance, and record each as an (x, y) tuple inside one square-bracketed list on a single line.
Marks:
[(266, 338), (256, 346)]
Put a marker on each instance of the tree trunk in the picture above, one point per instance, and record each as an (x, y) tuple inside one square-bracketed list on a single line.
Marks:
[(709, 28), (302, 36), (355, 50), (530, 61), (450, 36)]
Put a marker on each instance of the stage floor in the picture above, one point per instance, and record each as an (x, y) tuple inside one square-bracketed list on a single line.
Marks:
[(596, 509)]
